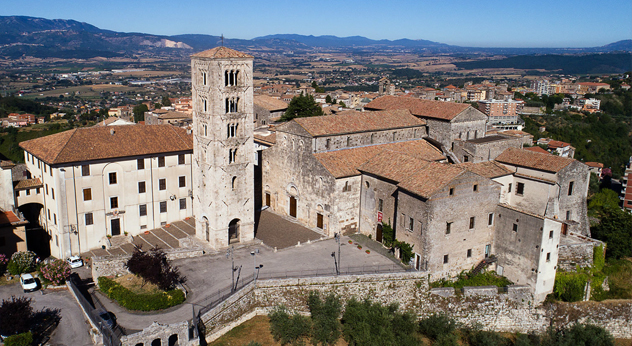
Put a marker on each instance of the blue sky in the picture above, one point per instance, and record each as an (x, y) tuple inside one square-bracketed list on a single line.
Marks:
[(487, 23)]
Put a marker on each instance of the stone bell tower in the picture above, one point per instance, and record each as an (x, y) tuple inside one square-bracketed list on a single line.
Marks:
[(223, 147)]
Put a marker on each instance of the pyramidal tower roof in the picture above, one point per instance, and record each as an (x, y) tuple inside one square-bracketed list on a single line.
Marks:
[(221, 53)]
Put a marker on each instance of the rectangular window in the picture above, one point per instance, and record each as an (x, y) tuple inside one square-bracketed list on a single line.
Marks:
[(142, 210), (475, 188), (55, 218), (451, 191), (87, 194), (472, 222), (182, 181), (469, 253), (48, 212), (515, 227), (509, 189), (181, 159), (568, 215), (445, 259), (89, 219), (490, 219), (141, 187), (411, 224), (46, 189), (163, 207), (380, 205), (44, 168), (162, 184), (85, 170), (140, 164), (113, 202), (37, 190), (551, 234), (570, 188), (466, 158), (548, 257), (161, 161), (183, 203), (520, 189), (52, 192), (112, 177), (448, 227), (28, 192)]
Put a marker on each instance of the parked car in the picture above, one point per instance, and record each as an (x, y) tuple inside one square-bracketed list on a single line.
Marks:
[(75, 261), (28, 282), (108, 318)]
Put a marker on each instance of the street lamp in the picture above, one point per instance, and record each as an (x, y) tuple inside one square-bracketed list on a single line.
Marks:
[(233, 269), (254, 262), (337, 236)]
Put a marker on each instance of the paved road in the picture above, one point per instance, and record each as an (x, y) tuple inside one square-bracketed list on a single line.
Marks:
[(207, 274), (73, 327)]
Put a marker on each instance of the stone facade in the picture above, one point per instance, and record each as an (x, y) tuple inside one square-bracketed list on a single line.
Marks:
[(576, 251), (223, 168), (469, 124), (484, 149)]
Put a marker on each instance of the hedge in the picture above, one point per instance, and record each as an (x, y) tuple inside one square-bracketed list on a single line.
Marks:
[(141, 302), (24, 339)]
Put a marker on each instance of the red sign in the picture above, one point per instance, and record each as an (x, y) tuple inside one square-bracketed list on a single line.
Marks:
[(379, 216)]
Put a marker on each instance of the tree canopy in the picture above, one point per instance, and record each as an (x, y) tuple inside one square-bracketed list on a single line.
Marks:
[(302, 106)]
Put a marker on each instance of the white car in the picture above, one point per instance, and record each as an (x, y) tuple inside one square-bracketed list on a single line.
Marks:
[(75, 261), (28, 282)]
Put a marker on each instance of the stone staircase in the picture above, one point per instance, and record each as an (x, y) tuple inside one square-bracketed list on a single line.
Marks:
[(483, 264)]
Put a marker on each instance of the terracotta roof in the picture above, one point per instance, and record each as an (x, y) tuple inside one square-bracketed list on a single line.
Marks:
[(345, 162), (593, 84), (535, 160), (537, 150), (421, 108), (270, 103), (265, 139), (172, 115), (28, 184), (6, 164), (413, 174), (8, 217), (353, 122), (488, 169), (97, 143), (594, 164), (553, 144), (221, 53), (516, 133)]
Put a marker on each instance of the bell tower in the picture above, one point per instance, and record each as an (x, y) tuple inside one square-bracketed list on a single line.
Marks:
[(223, 147)]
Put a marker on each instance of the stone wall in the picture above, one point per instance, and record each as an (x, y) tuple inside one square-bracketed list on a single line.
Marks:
[(115, 265), (509, 312), (576, 252)]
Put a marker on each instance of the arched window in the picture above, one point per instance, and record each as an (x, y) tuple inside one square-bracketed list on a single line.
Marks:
[(225, 78), (232, 183)]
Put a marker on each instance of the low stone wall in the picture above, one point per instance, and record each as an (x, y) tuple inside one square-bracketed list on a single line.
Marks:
[(115, 265), (172, 334), (578, 252), (510, 312)]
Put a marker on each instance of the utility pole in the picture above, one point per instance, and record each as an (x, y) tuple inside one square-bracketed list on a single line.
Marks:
[(337, 236), (229, 252)]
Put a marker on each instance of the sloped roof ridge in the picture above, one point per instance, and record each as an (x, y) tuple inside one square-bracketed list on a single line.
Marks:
[(74, 131)]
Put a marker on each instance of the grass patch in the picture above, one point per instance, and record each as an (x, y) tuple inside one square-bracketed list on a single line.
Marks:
[(489, 278), (619, 274), (141, 302), (137, 285)]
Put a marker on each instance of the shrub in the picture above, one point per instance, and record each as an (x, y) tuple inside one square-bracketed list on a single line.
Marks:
[(405, 251), (3, 263), (437, 325), (489, 278), (154, 267), (325, 318), (21, 262), (253, 343), (141, 302), (57, 271), (487, 338), (24, 339), (15, 315), (286, 329), (447, 340), (578, 334), (569, 287)]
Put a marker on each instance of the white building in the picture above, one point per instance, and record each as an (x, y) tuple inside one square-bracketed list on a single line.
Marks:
[(105, 181)]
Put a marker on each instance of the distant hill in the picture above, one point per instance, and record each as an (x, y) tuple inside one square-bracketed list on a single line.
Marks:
[(38, 37), (567, 64)]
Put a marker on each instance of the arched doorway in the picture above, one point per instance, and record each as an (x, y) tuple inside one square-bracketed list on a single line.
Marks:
[(37, 239), (378, 233), (233, 231)]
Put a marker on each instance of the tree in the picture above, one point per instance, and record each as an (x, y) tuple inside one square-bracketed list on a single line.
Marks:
[(57, 271), (342, 104), (615, 228), (302, 106), (165, 101), (154, 267), (328, 99), (325, 318), (15, 315), (437, 325), (139, 112), (288, 329), (21, 262), (317, 89), (374, 324), (604, 199)]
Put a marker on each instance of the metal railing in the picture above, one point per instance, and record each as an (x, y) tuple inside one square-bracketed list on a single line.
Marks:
[(110, 336)]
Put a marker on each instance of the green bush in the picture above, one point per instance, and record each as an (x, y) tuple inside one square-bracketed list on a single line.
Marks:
[(289, 329), (569, 287), (486, 338), (447, 340), (21, 262), (489, 278), (24, 339), (437, 325), (141, 302), (325, 318)]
